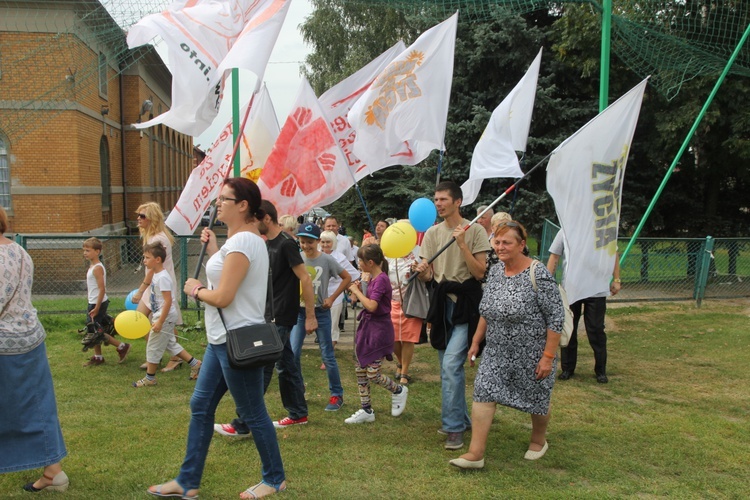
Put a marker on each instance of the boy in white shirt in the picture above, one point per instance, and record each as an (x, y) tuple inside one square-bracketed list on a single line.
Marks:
[(96, 313), (164, 318)]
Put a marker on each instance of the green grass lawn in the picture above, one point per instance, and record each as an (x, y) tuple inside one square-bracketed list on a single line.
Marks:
[(673, 421)]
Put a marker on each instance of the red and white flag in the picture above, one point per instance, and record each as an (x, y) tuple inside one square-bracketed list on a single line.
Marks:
[(306, 164), (584, 178), (339, 99), (205, 39), (205, 181), (507, 132), (402, 116)]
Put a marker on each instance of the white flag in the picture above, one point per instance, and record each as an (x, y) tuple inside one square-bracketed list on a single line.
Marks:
[(507, 132), (584, 178), (402, 116), (339, 99), (306, 165), (259, 136), (205, 181), (205, 39)]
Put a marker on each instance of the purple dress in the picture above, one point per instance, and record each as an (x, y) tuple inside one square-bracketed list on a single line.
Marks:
[(375, 337)]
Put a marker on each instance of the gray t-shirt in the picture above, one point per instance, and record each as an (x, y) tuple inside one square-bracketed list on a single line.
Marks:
[(320, 270)]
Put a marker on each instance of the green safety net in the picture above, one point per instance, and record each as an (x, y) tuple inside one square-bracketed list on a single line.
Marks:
[(674, 41)]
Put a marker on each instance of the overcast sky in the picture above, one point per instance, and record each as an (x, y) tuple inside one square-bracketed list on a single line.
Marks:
[(282, 75)]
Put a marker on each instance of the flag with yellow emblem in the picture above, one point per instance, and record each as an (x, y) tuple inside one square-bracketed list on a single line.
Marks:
[(402, 116)]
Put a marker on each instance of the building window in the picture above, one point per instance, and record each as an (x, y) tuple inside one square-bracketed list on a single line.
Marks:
[(4, 172), (104, 167), (103, 75)]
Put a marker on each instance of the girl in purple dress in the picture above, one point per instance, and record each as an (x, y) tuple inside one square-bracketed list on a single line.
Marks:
[(374, 339)]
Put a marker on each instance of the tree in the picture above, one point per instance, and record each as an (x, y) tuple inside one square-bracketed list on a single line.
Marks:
[(490, 58)]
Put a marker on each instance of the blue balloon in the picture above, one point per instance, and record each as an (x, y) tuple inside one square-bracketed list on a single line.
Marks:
[(129, 301), (422, 214)]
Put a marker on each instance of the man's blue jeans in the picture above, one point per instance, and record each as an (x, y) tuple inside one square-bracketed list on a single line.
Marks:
[(326, 346), (246, 387), (455, 417), (291, 384)]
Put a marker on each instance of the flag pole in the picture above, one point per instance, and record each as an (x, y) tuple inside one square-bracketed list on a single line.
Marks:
[(685, 144), (237, 141), (356, 187), (236, 161), (521, 163), (440, 166), (497, 200)]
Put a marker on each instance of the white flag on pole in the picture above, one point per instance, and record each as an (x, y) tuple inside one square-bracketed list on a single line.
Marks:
[(306, 164), (205, 39), (507, 132), (402, 116), (259, 136), (339, 99), (205, 181), (584, 178)]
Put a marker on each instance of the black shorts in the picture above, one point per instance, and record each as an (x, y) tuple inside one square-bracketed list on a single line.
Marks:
[(102, 312)]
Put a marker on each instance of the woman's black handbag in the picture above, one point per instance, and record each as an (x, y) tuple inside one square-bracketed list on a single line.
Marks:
[(253, 346)]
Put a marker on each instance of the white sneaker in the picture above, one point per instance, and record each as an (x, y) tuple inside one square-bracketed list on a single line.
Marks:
[(398, 401), (361, 417)]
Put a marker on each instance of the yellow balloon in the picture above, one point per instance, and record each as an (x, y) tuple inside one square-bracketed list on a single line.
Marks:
[(132, 324), (398, 240)]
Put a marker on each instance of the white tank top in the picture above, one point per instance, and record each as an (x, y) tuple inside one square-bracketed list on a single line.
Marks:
[(92, 286)]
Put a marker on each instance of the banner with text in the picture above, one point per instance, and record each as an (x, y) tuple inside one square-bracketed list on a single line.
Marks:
[(584, 178)]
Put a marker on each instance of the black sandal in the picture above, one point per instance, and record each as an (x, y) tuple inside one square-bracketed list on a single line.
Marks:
[(407, 377), (398, 373)]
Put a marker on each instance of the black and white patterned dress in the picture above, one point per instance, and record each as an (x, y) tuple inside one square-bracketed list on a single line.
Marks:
[(517, 322)]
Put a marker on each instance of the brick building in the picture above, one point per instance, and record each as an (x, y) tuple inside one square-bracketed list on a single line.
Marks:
[(70, 160)]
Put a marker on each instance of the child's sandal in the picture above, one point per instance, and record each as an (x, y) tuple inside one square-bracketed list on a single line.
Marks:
[(405, 377)]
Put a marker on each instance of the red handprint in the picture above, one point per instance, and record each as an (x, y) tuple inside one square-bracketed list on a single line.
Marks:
[(327, 161), (302, 116), (299, 154), (289, 187)]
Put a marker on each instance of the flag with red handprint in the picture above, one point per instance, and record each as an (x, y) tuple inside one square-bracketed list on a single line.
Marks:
[(306, 164)]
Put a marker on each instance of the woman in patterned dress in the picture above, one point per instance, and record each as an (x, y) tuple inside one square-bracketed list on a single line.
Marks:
[(520, 322), (30, 433)]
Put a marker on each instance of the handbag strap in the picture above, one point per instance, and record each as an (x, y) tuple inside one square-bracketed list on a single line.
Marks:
[(398, 281)]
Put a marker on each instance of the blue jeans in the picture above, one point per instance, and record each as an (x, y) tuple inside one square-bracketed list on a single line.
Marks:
[(326, 346), (246, 387), (455, 416), (291, 384)]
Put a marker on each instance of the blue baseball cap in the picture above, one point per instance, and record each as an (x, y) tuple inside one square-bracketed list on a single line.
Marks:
[(309, 230)]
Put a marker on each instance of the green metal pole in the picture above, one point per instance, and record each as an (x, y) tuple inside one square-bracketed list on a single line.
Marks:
[(604, 70), (686, 143), (236, 117)]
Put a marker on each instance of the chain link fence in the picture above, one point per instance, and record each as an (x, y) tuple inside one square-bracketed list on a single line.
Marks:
[(676, 268), (60, 269), (655, 268)]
